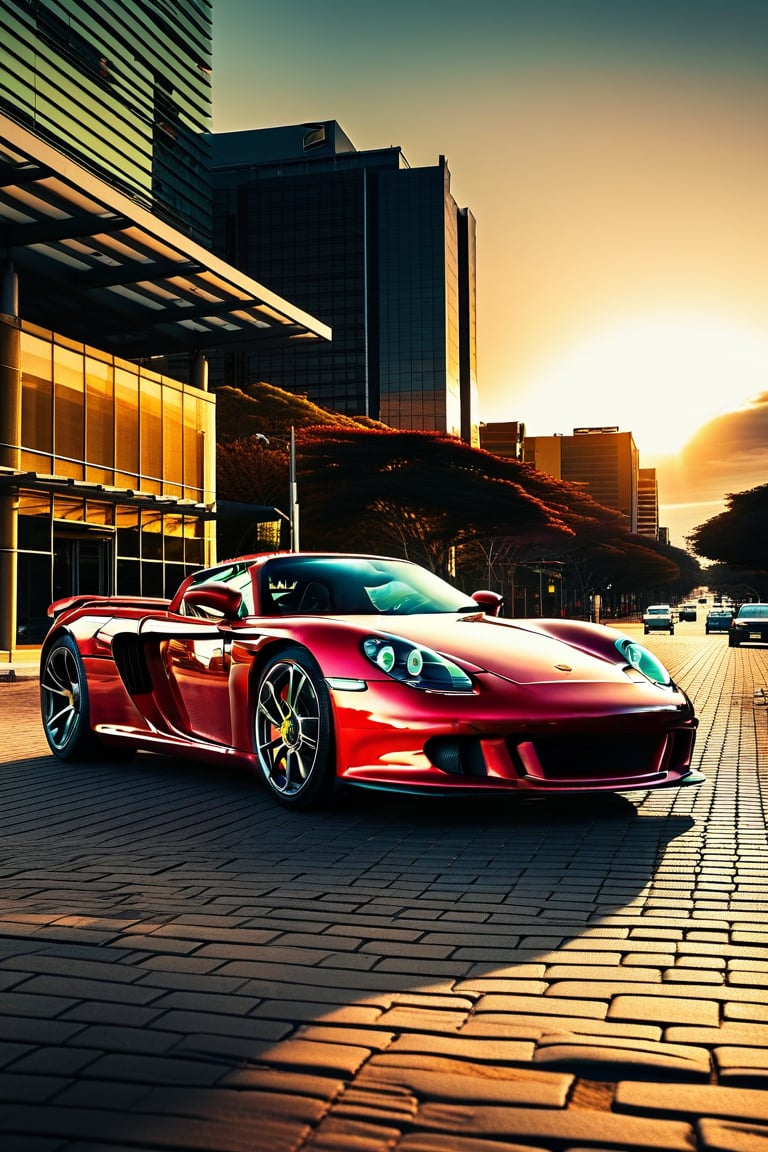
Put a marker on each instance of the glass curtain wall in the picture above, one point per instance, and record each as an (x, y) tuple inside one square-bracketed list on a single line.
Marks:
[(102, 422)]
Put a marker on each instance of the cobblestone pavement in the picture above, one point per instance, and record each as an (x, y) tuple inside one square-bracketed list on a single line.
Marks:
[(185, 966)]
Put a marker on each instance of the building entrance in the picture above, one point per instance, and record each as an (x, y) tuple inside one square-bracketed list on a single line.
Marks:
[(81, 564)]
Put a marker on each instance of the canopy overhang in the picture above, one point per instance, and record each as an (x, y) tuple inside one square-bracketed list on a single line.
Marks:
[(96, 267)]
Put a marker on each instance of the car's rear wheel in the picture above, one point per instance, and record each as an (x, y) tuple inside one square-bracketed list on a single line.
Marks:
[(293, 729), (64, 702), (732, 642)]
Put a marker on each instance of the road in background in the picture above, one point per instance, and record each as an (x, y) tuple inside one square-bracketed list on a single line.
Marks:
[(184, 965)]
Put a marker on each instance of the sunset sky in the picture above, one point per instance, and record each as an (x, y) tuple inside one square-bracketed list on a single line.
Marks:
[(615, 156)]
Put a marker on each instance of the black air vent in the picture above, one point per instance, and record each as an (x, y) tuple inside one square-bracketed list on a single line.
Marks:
[(128, 653)]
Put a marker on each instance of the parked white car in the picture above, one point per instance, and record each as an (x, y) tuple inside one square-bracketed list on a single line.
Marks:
[(658, 618)]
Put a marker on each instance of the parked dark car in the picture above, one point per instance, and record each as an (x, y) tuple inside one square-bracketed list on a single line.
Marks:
[(718, 620), (749, 623), (687, 612)]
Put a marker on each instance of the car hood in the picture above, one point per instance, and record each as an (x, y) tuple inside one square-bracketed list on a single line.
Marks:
[(519, 652)]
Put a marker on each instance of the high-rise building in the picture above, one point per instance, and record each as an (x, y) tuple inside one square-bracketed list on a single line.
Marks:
[(378, 250), (503, 438), (648, 503), (107, 468), (122, 87), (604, 461)]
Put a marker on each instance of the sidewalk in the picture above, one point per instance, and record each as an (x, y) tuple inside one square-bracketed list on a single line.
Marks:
[(184, 965)]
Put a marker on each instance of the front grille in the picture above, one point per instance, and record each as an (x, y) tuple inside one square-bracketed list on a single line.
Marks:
[(589, 758)]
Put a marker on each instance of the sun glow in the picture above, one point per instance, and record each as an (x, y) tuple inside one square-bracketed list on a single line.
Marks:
[(660, 376)]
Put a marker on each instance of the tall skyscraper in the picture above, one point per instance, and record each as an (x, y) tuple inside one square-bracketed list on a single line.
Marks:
[(648, 503), (123, 87), (378, 250), (604, 461)]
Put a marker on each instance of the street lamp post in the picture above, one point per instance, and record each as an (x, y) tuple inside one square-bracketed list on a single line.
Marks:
[(293, 496)]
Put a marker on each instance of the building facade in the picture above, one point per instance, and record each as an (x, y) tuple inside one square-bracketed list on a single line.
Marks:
[(107, 457), (648, 503), (604, 461), (113, 487), (123, 87), (378, 250), (504, 438)]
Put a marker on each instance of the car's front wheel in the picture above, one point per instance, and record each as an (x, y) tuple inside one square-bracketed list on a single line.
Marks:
[(293, 729), (64, 702)]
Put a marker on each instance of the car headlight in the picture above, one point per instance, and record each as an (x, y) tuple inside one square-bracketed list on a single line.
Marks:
[(416, 666), (643, 661)]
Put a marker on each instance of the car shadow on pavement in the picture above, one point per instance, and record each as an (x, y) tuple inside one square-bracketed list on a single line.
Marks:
[(167, 930)]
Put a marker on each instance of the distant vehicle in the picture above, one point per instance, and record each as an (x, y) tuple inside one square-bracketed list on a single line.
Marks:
[(687, 612), (718, 620), (749, 623), (658, 618)]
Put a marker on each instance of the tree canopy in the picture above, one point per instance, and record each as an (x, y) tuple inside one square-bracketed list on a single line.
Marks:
[(423, 492), (737, 537), (430, 497)]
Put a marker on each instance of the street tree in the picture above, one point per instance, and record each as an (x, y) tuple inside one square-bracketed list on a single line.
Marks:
[(421, 493), (736, 536)]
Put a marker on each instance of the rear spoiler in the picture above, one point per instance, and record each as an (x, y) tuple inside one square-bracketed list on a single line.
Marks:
[(102, 602)]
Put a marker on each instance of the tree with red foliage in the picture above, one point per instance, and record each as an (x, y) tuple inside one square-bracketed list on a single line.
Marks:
[(418, 494)]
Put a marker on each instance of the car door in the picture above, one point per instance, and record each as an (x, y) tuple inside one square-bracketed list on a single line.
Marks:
[(195, 656)]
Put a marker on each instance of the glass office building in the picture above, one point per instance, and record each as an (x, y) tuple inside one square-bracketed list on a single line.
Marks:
[(123, 87), (107, 454), (378, 250), (113, 488)]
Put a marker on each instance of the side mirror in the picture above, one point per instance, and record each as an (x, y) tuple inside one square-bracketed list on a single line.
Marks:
[(216, 598), (490, 602)]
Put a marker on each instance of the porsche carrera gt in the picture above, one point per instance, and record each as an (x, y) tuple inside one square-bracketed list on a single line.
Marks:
[(320, 671)]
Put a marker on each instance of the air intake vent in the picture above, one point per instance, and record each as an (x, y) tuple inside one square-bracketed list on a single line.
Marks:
[(128, 653)]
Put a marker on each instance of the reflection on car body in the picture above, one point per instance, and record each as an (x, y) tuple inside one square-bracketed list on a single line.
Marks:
[(320, 670)]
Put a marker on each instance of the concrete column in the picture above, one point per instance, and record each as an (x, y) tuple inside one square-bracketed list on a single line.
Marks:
[(9, 290), (200, 371)]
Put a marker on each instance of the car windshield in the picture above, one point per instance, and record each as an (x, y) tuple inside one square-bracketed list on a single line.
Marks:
[(754, 611), (357, 586), (658, 611)]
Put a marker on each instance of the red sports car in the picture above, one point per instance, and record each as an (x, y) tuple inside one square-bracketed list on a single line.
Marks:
[(320, 670)]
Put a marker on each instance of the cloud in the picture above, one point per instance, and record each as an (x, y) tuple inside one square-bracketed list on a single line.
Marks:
[(727, 454)]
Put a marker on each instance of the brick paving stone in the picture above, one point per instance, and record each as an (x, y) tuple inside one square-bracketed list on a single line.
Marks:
[(691, 1101), (30, 1087), (448, 1142), (564, 1127), (544, 1005), (725, 1136), (664, 1009), (596, 1057), (538, 1025), (473, 1085), (741, 1067), (755, 1012), (734, 1032)]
